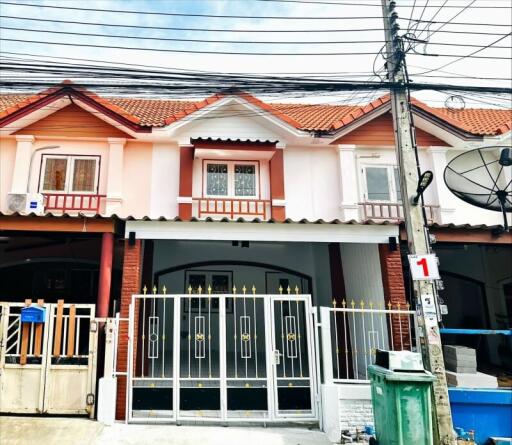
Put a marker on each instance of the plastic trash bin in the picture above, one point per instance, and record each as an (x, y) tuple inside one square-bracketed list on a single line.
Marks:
[(402, 406)]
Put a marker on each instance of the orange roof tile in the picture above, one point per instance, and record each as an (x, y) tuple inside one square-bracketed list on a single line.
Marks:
[(162, 112)]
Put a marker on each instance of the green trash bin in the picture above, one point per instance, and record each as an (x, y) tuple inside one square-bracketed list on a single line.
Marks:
[(402, 406)]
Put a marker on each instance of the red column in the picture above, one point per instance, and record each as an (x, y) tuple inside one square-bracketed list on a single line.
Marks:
[(107, 250), (394, 293), (186, 173), (277, 185), (131, 283)]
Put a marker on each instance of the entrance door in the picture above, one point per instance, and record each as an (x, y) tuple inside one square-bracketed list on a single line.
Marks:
[(293, 357), (224, 357), (48, 367)]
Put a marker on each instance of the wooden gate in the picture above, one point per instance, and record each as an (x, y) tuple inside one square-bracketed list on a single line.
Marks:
[(48, 367)]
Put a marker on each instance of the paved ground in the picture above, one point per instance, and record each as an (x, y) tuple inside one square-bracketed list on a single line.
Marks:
[(64, 431)]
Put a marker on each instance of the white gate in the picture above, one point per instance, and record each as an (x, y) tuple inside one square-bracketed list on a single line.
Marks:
[(222, 357), (48, 367)]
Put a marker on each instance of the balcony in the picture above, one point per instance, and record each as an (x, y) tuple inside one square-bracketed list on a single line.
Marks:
[(72, 202), (232, 208), (393, 211)]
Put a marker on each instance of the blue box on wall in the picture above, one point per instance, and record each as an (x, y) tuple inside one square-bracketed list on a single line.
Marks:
[(33, 314)]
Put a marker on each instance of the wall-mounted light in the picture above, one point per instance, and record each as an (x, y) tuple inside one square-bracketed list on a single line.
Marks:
[(506, 157), (424, 181)]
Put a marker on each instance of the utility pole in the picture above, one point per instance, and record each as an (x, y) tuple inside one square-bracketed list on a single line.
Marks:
[(417, 234)]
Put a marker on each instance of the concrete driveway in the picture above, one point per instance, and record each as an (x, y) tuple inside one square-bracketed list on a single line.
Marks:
[(73, 431)]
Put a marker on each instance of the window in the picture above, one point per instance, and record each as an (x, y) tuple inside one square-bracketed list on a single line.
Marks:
[(219, 280), (69, 174), (231, 179), (382, 183)]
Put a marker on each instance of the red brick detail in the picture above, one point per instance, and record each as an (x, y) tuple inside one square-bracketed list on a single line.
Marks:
[(131, 283), (186, 172), (277, 184), (394, 294)]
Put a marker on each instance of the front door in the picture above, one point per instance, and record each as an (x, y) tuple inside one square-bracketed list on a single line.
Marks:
[(226, 357)]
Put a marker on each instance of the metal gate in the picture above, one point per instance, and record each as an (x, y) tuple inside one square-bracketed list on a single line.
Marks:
[(222, 357), (48, 367)]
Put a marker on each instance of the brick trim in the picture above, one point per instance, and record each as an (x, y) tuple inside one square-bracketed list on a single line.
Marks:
[(131, 283), (394, 294)]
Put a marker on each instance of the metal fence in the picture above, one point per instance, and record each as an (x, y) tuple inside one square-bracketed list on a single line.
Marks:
[(351, 334)]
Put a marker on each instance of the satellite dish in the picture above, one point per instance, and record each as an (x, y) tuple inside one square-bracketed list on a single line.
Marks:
[(483, 178)]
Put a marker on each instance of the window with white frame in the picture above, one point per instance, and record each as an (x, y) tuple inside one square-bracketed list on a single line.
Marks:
[(381, 183), (69, 174), (231, 179)]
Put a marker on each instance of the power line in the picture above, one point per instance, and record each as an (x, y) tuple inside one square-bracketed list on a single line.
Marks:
[(402, 6), (224, 30), (471, 55), (182, 14), (224, 16), (252, 53), (252, 42)]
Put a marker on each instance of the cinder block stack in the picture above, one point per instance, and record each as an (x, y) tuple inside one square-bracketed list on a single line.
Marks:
[(460, 359)]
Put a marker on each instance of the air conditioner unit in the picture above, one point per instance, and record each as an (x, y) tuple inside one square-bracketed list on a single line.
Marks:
[(26, 203)]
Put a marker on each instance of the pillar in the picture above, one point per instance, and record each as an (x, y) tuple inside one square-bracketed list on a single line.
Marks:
[(277, 194), (115, 174), (394, 294), (348, 182), (131, 283), (105, 279), (445, 198), (186, 180), (21, 174)]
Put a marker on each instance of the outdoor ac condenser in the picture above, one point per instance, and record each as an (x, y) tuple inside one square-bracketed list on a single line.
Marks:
[(25, 203)]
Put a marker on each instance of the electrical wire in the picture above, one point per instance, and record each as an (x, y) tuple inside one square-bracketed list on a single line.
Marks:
[(224, 30), (252, 42)]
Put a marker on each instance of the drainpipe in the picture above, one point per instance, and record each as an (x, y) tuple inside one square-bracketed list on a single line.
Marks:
[(107, 248)]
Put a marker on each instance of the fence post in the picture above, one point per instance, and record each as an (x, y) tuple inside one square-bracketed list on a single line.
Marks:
[(325, 321)]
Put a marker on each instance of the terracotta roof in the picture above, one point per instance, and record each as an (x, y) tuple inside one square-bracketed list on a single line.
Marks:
[(161, 112)]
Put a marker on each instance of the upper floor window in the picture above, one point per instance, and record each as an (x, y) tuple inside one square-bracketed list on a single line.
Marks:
[(69, 174), (231, 179), (382, 183)]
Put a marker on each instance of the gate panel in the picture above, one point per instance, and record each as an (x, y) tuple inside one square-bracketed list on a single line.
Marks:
[(247, 386), (152, 383), (71, 360), (21, 386), (293, 345), (200, 356)]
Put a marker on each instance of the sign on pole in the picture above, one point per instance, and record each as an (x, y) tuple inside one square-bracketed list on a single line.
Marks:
[(424, 267)]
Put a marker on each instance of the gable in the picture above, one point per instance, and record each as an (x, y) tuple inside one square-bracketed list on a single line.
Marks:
[(72, 121), (380, 132)]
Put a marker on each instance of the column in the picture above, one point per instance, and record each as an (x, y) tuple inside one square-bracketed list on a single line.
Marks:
[(186, 180), (394, 294), (115, 174), (445, 198), (277, 194), (348, 182), (22, 164), (131, 283), (107, 251)]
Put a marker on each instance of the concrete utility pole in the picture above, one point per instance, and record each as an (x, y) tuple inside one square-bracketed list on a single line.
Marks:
[(417, 234)]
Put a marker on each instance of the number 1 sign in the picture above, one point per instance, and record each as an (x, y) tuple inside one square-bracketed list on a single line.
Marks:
[(424, 267)]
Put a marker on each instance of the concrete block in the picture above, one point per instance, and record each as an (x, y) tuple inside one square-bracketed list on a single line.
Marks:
[(456, 351), (476, 380)]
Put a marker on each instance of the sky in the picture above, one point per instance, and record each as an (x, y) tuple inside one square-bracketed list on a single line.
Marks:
[(360, 66)]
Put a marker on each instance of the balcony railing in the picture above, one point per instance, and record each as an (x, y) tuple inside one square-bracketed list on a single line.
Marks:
[(392, 211), (231, 207), (72, 202)]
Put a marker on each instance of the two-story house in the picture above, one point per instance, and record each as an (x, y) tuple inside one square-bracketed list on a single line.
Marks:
[(242, 216)]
